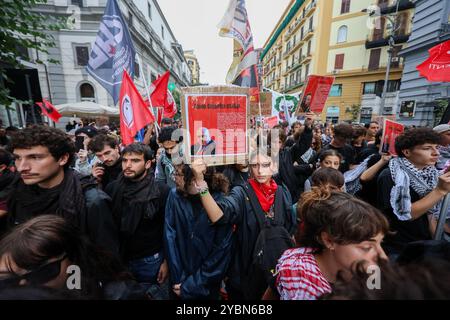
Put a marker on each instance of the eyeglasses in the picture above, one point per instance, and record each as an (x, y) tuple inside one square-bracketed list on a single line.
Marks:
[(260, 165), (39, 276)]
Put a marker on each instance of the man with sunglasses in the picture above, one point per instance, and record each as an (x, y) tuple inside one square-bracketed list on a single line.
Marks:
[(48, 185), (248, 208)]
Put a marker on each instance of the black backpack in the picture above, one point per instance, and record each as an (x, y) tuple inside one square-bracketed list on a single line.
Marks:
[(273, 239)]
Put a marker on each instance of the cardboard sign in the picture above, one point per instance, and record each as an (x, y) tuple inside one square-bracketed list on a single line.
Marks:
[(272, 122), (315, 94), (216, 122), (266, 105), (391, 130)]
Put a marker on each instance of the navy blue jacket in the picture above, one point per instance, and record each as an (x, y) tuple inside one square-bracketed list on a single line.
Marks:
[(198, 253)]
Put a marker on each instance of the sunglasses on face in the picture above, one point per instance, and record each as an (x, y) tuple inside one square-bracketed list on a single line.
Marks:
[(39, 276)]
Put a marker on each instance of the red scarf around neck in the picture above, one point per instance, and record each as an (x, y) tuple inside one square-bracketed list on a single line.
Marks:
[(265, 193)]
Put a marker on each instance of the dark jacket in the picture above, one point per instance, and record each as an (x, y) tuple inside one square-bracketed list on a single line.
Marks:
[(94, 218), (140, 223), (238, 211), (198, 253), (235, 177), (294, 177)]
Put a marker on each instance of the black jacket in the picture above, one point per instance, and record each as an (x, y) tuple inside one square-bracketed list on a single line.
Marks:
[(140, 224), (238, 211), (94, 219), (294, 177)]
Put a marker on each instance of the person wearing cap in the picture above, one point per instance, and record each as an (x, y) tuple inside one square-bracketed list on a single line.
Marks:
[(444, 148), (84, 158)]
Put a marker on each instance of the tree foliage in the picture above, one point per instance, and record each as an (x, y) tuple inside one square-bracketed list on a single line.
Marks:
[(21, 27)]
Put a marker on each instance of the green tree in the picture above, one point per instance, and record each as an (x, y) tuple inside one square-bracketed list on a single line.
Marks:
[(22, 27), (354, 111)]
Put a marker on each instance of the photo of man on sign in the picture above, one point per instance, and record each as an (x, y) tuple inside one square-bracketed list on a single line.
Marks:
[(315, 94)]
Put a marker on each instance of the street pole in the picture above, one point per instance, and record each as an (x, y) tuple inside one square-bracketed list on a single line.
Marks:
[(391, 43), (388, 70)]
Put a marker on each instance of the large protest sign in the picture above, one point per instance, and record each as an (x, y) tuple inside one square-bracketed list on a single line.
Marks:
[(315, 94), (215, 119), (391, 130)]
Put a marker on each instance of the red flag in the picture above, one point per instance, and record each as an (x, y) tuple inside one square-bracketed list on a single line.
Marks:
[(134, 115), (161, 96), (49, 110), (437, 67)]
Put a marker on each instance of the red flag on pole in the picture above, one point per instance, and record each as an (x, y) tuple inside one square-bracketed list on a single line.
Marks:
[(134, 114), (49, 110), (161, 96), (437, 67)]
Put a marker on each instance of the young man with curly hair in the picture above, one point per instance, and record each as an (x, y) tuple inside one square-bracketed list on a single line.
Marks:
[(48, 185), (411, 189)]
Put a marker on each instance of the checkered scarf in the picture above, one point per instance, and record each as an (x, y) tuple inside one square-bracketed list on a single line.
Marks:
[(406, 175)]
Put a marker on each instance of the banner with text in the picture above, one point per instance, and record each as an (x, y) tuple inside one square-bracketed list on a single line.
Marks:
[(315, 94)]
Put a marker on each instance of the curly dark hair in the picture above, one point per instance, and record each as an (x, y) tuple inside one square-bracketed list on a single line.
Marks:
[(99, 142), (414, 137), (217, 182), (57, 142), (345, 218)]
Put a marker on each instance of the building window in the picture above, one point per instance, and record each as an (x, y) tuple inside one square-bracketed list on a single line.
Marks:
[(378, 33), (130, 20), (306, 70), (77, 3), (401, 23), (311, 22), (339, 62), (82, 55), (336, 90), (149, 10), (374, 61), (342, 34), (162, 32), (137, 70), (302, 33), (345, 6), (308, 52), (369, 88), (393, 85), (87, 92)]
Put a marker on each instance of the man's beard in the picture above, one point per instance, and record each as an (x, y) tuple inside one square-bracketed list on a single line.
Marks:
[(138, 176)]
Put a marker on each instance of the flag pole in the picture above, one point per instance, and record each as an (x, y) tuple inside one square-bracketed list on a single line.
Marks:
[(148, 94)]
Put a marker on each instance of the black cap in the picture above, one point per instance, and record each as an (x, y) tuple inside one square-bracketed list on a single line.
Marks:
[(88, 130)]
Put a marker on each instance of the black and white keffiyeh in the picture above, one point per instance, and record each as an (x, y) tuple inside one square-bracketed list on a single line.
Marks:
[(406, 175), (351, 177)]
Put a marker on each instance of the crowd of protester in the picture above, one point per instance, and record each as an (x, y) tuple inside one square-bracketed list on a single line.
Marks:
[(142, 223)]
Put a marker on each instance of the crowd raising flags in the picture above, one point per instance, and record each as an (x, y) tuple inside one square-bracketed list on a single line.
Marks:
[(242, 71)]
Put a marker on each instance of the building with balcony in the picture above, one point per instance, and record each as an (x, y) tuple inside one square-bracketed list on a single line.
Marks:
[(157, 51), (295, 45), (194, 66), (431, 26), (358, 57), (336, 38)]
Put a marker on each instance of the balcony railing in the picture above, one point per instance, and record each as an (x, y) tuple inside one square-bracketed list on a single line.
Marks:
[(404, 5), (310, 9), (308, 34), (294, 85), (373, 42)]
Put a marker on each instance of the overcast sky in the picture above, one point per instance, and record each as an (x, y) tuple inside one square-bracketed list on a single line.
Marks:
[(194, 24)]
